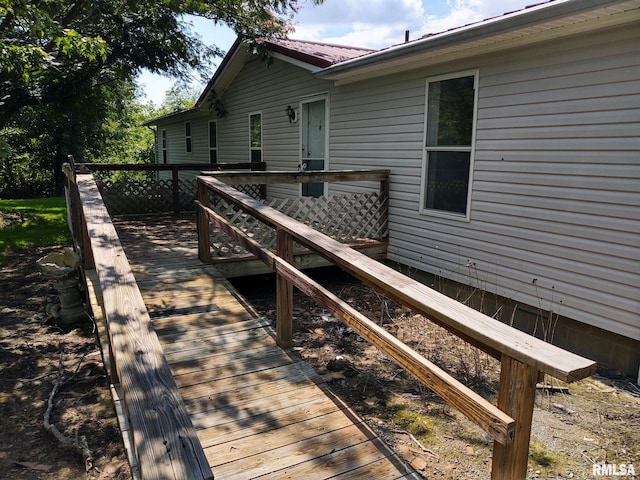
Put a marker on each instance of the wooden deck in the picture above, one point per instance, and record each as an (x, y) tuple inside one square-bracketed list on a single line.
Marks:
[(259, 411)]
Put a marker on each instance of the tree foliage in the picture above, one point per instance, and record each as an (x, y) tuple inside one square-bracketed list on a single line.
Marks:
[(63, 62)]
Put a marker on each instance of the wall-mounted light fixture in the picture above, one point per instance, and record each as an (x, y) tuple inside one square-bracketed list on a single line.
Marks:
[(292, 114)]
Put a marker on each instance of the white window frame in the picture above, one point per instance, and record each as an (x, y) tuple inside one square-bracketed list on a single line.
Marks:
[(216, 139), (471, 148), (261, 147)]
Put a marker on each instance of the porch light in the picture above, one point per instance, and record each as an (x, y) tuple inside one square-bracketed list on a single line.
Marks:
[(292, 114)]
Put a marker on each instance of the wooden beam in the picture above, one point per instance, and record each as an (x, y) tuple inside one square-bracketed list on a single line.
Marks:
[(241, 178), (231, 267), (202, 226), (478, 329), (175, 188), (159, 167), (487, 416), (166, 442), (516, 397)]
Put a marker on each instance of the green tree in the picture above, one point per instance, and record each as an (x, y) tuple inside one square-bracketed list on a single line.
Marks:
[(178, 97), (62, 63)]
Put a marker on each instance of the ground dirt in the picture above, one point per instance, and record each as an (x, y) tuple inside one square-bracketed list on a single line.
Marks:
[(35, 353), (596, 420)]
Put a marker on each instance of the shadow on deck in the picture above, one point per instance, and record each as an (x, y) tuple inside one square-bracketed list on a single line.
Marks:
[(258, 410)]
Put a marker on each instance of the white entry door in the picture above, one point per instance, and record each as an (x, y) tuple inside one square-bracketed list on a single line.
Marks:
[(313, 147)]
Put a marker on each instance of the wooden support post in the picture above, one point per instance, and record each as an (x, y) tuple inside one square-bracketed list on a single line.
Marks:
[(516, 398), (284, 292), (202, 225), (175, 183)]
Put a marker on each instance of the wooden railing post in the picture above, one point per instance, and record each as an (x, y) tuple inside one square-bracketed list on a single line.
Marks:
[(175, 184), (284, 292), (384, 202), (516, 398), (202, 224)]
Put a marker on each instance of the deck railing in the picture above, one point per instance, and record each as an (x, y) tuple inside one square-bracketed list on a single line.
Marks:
[(356, 216), (523, 358), (156, 188), (165, 441)]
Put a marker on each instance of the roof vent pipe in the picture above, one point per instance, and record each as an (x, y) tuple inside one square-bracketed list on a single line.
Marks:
[(406, 36)]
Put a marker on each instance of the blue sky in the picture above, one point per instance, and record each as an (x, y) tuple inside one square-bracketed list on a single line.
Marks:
[(361, 23)]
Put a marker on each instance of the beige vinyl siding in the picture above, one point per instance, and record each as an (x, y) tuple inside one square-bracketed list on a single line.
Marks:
[(176, 146), (556, 175), (268, 89), (379, 124)]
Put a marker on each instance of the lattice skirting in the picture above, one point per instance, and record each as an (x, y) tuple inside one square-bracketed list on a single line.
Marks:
[(346, 218)]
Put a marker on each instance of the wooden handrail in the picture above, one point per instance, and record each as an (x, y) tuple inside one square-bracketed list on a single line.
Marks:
[(240, 178), (491, 419), (165, 440), (460, 319), (159, 167), (523, 357), (174, 168)]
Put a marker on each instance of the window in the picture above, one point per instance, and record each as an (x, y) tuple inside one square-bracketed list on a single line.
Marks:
[(451, 105), (213, 141), (163, 140), (187, 136), (255, 137)]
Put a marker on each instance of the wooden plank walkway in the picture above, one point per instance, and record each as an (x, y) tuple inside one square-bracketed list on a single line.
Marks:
[(259, 411)]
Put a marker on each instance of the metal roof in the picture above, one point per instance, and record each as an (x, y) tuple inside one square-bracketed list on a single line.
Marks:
[(319, 54), (532, 24)]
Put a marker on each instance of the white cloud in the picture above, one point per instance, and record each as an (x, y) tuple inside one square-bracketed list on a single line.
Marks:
[(382, 23), (362, 23)]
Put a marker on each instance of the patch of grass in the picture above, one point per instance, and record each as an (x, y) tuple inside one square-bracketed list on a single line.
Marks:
[(32, 223), (407, 416), (541, 456)]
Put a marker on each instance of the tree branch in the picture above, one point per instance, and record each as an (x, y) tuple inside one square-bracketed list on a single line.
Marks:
[(79, 443)]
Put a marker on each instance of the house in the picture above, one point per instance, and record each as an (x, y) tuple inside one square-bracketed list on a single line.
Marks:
[(513, 145)]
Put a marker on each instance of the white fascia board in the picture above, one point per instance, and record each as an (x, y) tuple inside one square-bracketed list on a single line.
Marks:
[(297, 63)]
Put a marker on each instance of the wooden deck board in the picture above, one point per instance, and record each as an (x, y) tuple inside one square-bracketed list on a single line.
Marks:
[(259, 411)]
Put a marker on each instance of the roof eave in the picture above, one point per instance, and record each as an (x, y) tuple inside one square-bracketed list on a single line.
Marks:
[(297, 56), (194, 111), (222, 68)]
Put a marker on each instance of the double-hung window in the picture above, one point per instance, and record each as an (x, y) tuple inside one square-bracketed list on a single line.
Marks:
[(450, 124), (163, 140), (187, 136), (255, 137), (213, 141)]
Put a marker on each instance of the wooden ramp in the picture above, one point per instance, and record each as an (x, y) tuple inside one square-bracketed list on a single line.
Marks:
[(259, 411)]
